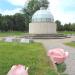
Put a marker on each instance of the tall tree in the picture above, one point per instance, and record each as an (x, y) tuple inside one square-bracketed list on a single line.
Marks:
[(73, 27), (0, 20), (19, 22), (59, 26), (28, 11), (67, 27), (31, 8), (35, 5), (44, 3), (4, 25)]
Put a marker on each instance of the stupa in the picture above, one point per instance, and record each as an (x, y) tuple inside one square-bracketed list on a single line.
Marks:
[(42, 26), (42, 22)]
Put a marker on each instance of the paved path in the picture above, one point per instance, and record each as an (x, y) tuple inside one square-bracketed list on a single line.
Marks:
[(58, 43)]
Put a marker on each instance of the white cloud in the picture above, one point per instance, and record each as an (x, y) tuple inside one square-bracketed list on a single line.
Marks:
[(18, 2), (56, 9), (10, 12), (67, 17)]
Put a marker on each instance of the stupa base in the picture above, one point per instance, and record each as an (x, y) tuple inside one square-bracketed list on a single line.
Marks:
[(45, 36)]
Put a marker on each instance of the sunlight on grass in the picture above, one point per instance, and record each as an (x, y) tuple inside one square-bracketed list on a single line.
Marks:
[(15, 33), (72, 44)]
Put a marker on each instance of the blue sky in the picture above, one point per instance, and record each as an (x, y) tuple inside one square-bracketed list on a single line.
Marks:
[(68, 5), (63, 10), (10, 7), (4, 5)]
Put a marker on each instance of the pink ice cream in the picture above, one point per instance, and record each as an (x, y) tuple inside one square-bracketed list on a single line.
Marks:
[(58, 55), (18, 70)]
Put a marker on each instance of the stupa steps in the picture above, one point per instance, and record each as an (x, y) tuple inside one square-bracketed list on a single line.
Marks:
[(45, 36)]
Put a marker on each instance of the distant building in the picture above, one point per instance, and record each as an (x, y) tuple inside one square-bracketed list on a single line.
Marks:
[(42, 22)]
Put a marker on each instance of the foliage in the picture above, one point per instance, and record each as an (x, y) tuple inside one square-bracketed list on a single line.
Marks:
[(32, 7), (44, 3), (73, 26), (13, 22), (28, 11), (19, 22), (32, 55), (65, 27), (59, 26)]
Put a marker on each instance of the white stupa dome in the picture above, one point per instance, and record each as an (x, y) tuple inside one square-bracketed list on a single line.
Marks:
[(42, 15)]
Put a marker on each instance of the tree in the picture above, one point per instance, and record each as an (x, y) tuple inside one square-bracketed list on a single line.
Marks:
[(44, 3), (4, 25), (35, 5), (67, 27), (73, 27), (32, 7), (28, 11), (59, 26), (19, 22), (15, 22), (9, 20), (0, 20)]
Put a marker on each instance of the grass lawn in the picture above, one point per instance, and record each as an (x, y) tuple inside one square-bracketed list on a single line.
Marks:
[(72, 44), (66, 32), (15, 33), (32, 55)]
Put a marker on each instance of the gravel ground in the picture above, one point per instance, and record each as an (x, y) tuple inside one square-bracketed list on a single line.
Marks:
[(58, 43)]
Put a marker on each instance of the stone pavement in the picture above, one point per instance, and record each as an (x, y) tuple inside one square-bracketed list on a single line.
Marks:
[(58, 43)]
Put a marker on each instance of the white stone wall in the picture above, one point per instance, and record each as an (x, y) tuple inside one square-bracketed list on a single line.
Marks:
[(42, 28)]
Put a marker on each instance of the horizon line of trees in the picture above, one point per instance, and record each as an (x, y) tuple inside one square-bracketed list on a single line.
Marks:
[(65, 27), (14, 22), (19, 22)]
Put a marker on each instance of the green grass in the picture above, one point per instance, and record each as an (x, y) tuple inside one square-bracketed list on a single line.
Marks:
[(32, 55), (72, 44), (15, 33), (66, 32)]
